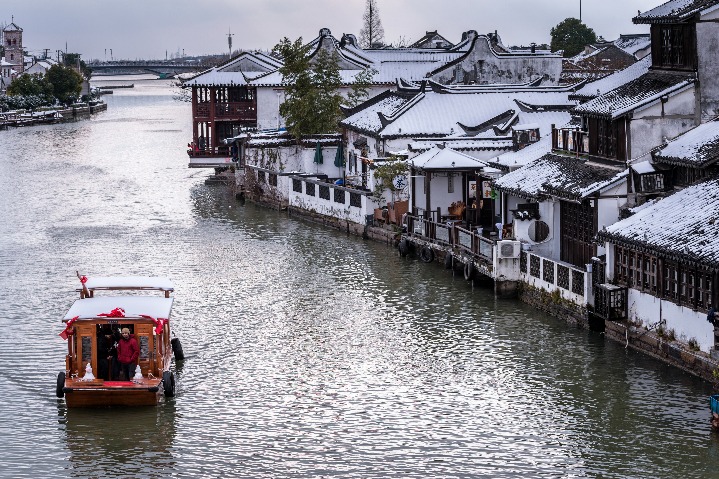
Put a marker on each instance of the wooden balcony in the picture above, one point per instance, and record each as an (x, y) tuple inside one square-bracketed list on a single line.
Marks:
[(571, 141), (240, 111), (450, 234)]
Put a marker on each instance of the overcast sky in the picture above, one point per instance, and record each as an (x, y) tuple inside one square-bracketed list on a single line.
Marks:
[(148, 29)]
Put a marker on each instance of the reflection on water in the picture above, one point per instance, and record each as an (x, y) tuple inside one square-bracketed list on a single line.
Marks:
[(309, 353)]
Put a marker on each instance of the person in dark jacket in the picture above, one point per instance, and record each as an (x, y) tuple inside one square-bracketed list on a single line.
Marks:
[(127, 353), (107, 354)]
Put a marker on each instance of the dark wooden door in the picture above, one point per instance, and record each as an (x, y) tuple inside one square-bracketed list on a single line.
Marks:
[(577, 230)]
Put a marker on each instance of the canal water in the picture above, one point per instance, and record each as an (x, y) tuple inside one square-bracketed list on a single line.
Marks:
[(309, 353)]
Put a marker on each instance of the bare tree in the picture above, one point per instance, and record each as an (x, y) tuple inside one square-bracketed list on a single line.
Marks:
[(372, 33)]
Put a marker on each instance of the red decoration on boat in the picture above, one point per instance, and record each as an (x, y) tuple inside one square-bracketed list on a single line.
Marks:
[(115, 313), (68, 331), (83, 279), (159, 322)]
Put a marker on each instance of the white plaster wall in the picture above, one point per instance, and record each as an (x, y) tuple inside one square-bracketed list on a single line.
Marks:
[(608, 208), (483, 66), (649, 127), (440, 197), (551, 287), (294, 159), (549, 213), (687, 324), (329, 207), (708, 64), (268, 108)]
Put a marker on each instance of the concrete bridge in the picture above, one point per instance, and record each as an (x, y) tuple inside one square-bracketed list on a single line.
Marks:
[(159, 68)]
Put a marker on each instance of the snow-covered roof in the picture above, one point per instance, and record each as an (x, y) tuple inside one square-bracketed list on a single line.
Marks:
[(442, 158), (633, 43), (515, 159), (674, 11), (697, 147), (643, 167), (485, 114), (238, 71), (134, 306), (12, 28), (644, 90), (129, 282), (561, 176), (685, 225), (463, 143), (615, 80)]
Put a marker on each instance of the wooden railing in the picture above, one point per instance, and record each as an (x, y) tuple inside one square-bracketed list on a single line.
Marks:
[(235, 110), (452, 235)]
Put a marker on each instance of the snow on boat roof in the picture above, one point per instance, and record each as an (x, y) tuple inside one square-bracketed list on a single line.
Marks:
[(130, 282), (134, 306)]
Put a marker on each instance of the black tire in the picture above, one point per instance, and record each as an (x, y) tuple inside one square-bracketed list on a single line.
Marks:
[(448, 261), (60, 385), (426, 254), (468, 271), (168, 384), (403, 247), (177, 349)]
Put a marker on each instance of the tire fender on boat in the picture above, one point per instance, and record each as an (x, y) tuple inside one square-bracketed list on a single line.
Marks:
[(177, 349), (403, 247), (60, 385), (168, 383), (426, 254), (468, 270)]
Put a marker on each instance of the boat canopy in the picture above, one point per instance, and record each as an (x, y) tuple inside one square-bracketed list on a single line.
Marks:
[(134, 306), (129, 282)]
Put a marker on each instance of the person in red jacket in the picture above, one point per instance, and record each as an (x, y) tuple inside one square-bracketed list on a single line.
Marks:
[(127, 353)]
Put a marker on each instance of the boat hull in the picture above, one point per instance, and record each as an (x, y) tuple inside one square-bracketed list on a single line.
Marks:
[(99, 393)]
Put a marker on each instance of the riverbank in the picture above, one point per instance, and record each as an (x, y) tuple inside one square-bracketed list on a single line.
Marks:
[(655, 343), (23, 118)]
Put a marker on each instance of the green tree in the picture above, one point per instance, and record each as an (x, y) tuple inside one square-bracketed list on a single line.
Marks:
[(571, 35), (66, 83), (312, 98), (371, 34), (361, 86), (32, 85), (73, 60)]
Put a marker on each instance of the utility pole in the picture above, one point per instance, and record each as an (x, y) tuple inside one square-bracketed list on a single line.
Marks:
[(229, 41), (371, 18), (580, 10)]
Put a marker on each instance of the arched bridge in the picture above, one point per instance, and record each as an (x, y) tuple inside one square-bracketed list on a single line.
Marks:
[(161, 69)]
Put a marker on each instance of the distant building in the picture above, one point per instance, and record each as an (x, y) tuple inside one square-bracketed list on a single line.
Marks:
[(12, 42), (602, 58), (432, 40), (41, 66)]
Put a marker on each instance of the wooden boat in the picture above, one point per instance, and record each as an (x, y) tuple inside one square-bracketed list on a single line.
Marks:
[(91, 379), (714, 407)]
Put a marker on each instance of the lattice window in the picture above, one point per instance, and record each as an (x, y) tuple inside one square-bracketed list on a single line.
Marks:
[(563, 276), (523, 261), (325, 192), (356, 200), (652, 182), (577, 232), (339, 196), (297, 185), (671, 280), (534, 266), (607, 138), (273, 179), (261, 177), (310, 189), (548, 271), (578, 282)]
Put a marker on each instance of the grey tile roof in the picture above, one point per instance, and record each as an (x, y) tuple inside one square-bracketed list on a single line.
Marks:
[(674, 11), (684, 225), (643, 90), (699, 147), (556, 175)]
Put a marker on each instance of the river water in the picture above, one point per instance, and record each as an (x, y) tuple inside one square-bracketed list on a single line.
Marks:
[(309, 353)]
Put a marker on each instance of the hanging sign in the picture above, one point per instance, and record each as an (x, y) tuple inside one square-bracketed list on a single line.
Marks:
[(487, 189)]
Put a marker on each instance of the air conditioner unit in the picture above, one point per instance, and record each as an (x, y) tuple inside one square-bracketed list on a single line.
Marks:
[(508, 249)]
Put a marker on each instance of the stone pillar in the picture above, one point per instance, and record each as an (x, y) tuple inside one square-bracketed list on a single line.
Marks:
[(506, 289)]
